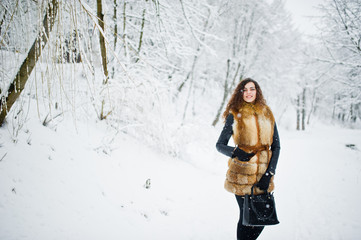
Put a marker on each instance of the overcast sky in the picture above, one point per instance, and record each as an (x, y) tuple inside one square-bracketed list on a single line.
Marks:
[(302, 11)]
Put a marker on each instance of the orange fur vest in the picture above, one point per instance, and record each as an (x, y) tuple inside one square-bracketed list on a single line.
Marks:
[(252, 132)]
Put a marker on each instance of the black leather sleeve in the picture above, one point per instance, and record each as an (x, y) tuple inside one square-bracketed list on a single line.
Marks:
[(222, 143), (275, 148)]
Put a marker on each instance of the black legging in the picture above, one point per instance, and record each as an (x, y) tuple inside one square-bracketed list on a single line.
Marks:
[(245, 232)]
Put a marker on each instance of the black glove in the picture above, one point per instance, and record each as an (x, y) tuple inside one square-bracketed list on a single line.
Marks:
[(263, 183), (242, 155)]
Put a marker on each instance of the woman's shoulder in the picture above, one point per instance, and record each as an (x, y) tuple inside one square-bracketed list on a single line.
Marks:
[(268, 112), (267, 108), (232, 112), (230, 116)]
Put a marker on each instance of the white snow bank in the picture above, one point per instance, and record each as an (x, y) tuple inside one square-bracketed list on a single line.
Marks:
[(66, 185)]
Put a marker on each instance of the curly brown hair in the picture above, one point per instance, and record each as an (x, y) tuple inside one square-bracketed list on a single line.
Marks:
[(237, 97)]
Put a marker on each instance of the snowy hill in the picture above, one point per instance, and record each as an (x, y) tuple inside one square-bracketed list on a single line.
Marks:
[(75, 184)]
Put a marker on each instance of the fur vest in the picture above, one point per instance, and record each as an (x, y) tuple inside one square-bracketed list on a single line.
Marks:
[(252, 132)]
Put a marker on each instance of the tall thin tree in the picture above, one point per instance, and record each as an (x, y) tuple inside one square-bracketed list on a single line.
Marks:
[(18, 84), (103, 49)]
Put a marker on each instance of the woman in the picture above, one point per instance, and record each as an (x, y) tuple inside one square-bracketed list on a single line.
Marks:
[(253, 161)]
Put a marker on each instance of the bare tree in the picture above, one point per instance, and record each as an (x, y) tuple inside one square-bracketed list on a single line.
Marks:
[(103, 52), (228, 86), (103, 49), (342, 39), (18, 84), (115, 24), (244, 29)]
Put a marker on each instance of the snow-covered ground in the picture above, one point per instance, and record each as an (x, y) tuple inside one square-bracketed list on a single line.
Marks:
[(77, 184)]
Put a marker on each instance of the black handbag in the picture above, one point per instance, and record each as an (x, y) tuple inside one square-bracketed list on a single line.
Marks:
[(259, 210)]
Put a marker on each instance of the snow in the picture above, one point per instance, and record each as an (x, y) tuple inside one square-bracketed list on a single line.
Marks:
[(72, 183), (151, 170)]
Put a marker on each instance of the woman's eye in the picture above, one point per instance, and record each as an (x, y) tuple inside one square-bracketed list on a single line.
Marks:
[(251, 89)]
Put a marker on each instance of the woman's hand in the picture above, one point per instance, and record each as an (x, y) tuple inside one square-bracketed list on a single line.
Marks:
[(242, 155), (264, 181)]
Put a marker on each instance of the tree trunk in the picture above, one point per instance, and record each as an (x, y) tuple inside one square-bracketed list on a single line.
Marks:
[(115, 25), (141, 32), (303, 108), (313, 103), (115, 19), (103, 50), (225, 94), (227, 91), (189, 74), (124, 25), (334, 106), (141, 35), (353, 109), (18, 84), (298, 113)]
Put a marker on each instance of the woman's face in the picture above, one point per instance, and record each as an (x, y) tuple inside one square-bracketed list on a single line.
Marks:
[(249, 92)]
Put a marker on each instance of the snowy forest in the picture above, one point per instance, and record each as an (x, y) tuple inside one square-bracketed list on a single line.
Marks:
[(91, 88)]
